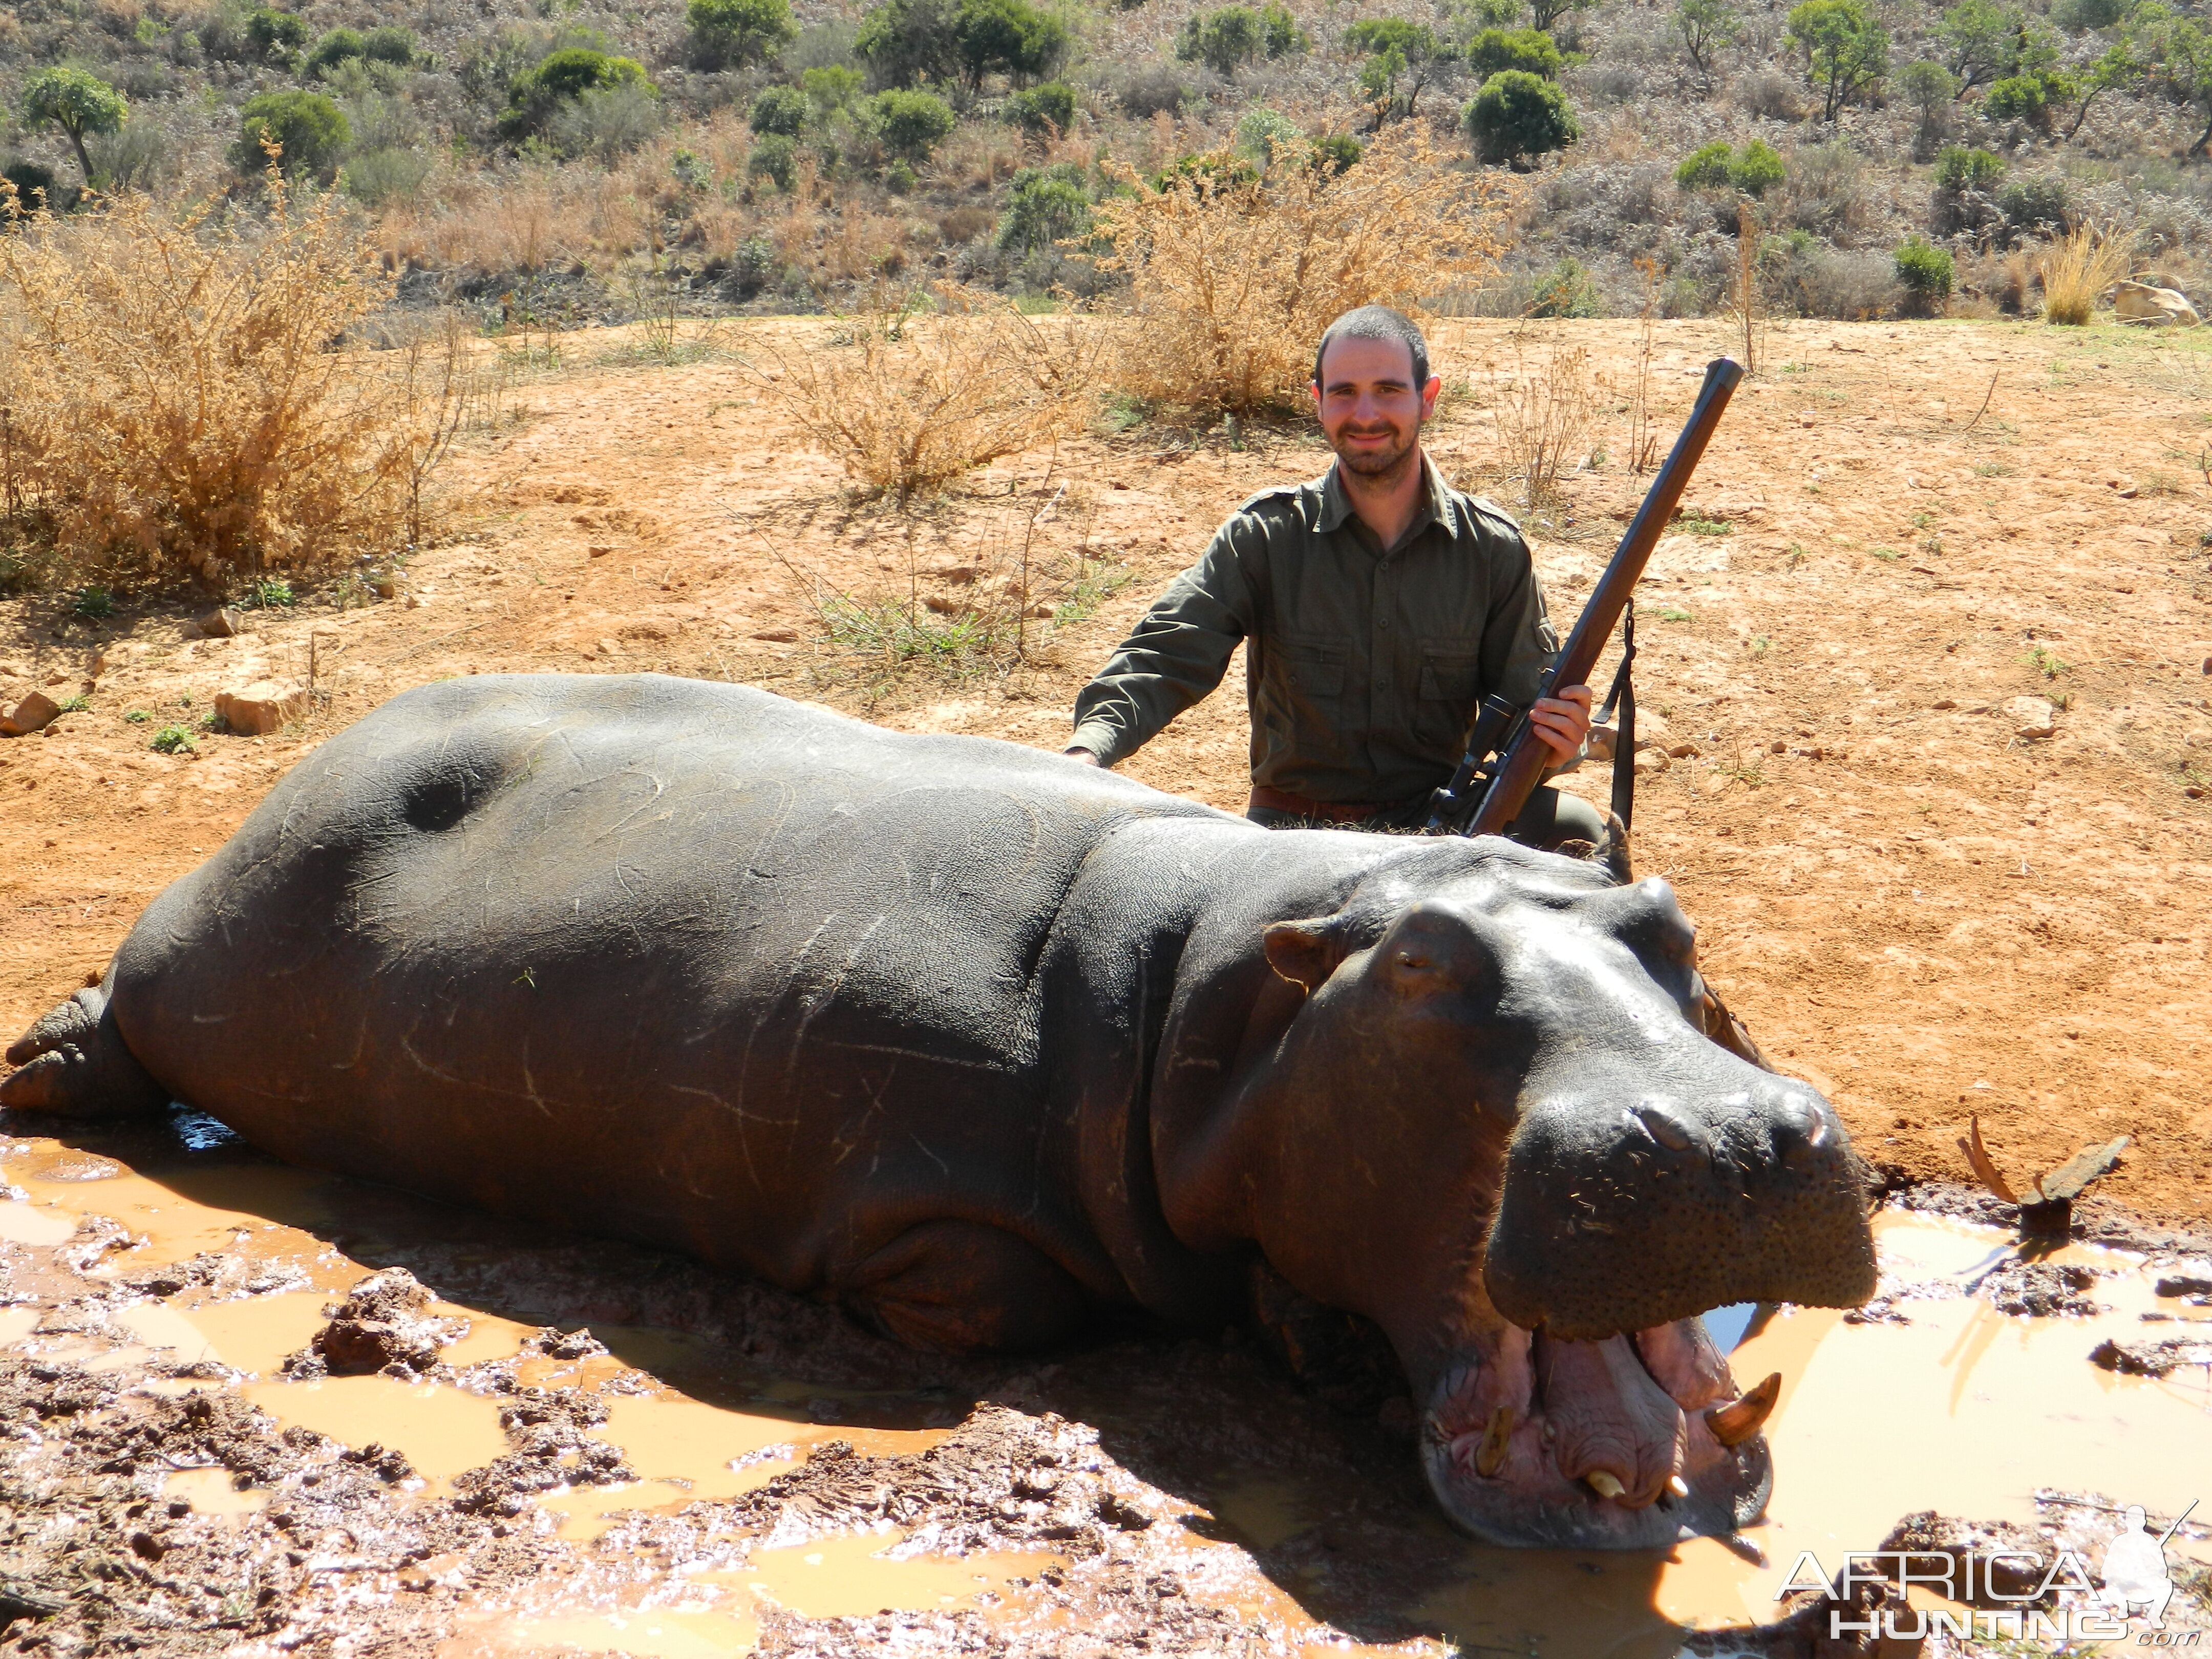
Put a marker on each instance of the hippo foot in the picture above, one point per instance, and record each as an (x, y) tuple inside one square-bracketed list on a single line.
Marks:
[(1632, 1442), (74, 1064)]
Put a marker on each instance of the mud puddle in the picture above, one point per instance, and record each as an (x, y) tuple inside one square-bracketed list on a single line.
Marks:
[(611, 1451)]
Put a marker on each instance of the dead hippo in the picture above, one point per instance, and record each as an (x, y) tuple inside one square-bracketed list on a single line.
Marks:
[(981, 1043)]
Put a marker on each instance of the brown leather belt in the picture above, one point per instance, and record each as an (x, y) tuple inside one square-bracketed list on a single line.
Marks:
[(1328, 812)]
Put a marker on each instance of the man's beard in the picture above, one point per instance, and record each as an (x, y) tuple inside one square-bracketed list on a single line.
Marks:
[(1381, 466)]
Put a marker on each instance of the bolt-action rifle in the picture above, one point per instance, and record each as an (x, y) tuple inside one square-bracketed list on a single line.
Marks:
[(1505, 759)]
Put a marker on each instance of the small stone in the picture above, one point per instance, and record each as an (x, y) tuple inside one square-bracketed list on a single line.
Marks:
[(221, 622), (36, 713), (264, 706), (1945, 702), (2031, 717), (607, 648), (1777, 747), (778, 636), (1650, 762), (1683, 752), (598, 552)]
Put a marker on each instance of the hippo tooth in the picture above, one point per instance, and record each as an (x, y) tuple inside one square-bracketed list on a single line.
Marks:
[(1605, 1483), (1739, 1419), (1678, 1487), (1497, 1439)]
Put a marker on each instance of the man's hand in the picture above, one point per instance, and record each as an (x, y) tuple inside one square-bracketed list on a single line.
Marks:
[(1563, 721), (1089, 759)]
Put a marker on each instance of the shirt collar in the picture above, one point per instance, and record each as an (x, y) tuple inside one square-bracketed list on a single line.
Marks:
[(1336, 506)]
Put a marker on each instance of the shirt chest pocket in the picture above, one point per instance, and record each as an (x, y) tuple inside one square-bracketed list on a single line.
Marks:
[(1451, 672), (1311, 672)]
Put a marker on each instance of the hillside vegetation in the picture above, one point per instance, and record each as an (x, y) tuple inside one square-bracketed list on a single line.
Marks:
[(564, 160)]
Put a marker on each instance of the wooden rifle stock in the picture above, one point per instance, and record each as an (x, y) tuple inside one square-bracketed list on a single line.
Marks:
[(1524, 757)]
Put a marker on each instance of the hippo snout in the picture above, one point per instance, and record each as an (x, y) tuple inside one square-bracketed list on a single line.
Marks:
[(1631, 1202)]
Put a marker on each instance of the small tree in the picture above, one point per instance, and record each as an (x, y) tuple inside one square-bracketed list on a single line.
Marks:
[(79, 103), (1518, 116), (904, 41), (832, 88), (1012, 37), (1545, 13), (310, 132), (1985, 42), (1531, 51), (2117, 70), (2178, 49), (736, 34), (1705, 27), (911, 124), (1930, 89), (1403, 59), (2026, 98), (1846, 51), (780, 109), (277, 36)]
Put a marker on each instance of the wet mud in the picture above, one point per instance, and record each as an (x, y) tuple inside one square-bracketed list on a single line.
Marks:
[(250, 1409)]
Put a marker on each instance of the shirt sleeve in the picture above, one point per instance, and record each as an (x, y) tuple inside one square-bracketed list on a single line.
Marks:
[(1178, 651)]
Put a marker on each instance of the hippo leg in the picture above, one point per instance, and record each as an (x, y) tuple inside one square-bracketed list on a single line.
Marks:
[(76, 1064), (958, 1285)]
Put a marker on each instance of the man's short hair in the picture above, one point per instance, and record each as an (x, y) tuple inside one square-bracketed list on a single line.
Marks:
[(1377, 323)]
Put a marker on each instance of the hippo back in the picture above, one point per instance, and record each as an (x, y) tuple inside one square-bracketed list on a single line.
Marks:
[(649, 956)]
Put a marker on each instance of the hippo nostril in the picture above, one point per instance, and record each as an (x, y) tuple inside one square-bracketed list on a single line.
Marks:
[(1666, 1128)]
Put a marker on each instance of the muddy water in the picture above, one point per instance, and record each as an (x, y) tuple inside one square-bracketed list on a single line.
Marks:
[(1963, 1410)]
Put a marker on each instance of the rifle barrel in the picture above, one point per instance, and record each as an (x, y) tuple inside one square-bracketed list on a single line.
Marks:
[(1521, 768)]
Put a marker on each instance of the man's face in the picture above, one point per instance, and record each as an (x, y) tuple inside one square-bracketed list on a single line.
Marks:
[(1370, 410)]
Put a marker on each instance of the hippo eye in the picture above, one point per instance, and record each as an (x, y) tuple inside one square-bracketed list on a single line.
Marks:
[(1407, 959)]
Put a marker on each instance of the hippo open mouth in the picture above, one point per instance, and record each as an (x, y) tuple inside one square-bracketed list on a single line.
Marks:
[(1625, 1443)]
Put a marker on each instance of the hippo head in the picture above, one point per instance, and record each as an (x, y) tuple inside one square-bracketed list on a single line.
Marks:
[(1483, 1111)]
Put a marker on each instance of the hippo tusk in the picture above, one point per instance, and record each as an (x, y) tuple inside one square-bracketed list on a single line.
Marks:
[(1605, 1483), (1678, 1487), (1497, 1437), (1739, 1419)]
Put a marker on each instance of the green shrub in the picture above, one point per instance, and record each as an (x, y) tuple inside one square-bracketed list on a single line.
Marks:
[(312, 131), (780, 109), (1008, 37), (1152, 89), (78, 102), (1705, 168), (276, 35), (1958, 168), (1044, 205), (173, 739), (752, 267), (333, 49), (911, 124), (1228, 37), (2026, 98), (561, 77), (2035, 207), (269, 593), (1338, 152), (736, 34), (605, 121), (1416, 43), (391, 172), (388, 44), (1925, 272), (1047, 108), (1261, 132), (1517, 115), (2080, 17), (1756, 169), (1530, 51), (92, 602), (831, 89), (1565, 290), (773, 157), (35, 189)]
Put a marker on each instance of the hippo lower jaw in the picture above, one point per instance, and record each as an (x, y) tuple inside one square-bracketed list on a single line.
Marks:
[(1533, 1440)]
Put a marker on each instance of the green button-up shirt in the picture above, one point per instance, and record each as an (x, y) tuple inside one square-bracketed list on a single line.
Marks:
[(1362, 664)]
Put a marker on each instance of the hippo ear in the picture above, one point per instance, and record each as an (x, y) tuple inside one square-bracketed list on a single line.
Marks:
[(1304, 952)]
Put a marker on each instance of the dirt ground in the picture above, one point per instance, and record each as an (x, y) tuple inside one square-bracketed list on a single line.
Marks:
[(1922, 912)]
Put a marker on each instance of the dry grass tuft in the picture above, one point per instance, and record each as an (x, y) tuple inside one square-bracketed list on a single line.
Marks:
[(1544, 412), (909, 403), (1233, 277), (175, 408), (2077, 272)]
